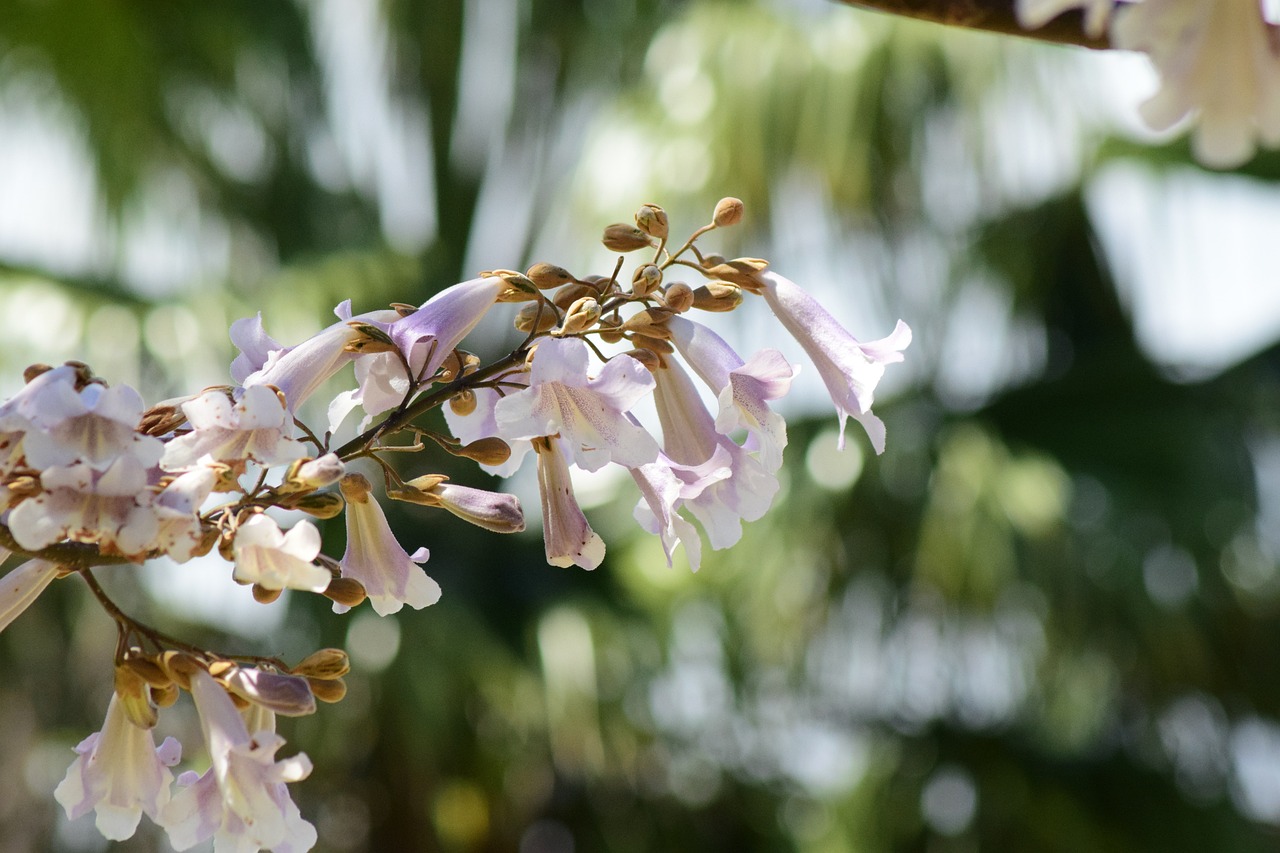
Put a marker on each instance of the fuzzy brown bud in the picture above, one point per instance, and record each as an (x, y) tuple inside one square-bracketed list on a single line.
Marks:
[(165, 696), (490, 450), (34, 370), (463, 403), (325, 664), (611, 329), (646, 280), (621, 237), (717, 296), (262, 595), (652, 220), (744, 272), (651, 360), (328, 690), (566, 296), (320, 504), (678, 297), (657, 345), (651, 322), (348, 592), (536, 316), (728, 212), (547, 276), (579, 317)]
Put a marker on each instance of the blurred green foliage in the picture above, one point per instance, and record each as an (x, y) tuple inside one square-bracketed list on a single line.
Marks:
[(1044, 620)]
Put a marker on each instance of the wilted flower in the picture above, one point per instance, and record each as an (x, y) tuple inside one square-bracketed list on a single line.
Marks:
[(119, 773)]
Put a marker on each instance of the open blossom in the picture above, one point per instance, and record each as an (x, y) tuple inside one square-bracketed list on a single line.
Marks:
[(850, 370), (1217, 59), (177, 508), (589, 414), (743, 389), (277, 560), (567, 537), (666, 486), (257, 427), (241, 801), (21, 586), (110, 508), (94, 425), (119, 773), (391, 577), (298, 371)]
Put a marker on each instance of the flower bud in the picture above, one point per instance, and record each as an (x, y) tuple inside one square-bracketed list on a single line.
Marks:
[(717, 296), (457, 363), (464, 402), (621, 237), (487, 451), (348, 592), (262, 595), (535, 317), (611, 328), (646, 280), (728, 212), (34, 370), (546, 276), (145, 668), (744, 272), (678, 297), (315, 473), (657, 345), (652, 220), (325, 664), (495, 511), (289, 695), (651, 322), (566, 296), (651, 360), (165, 696), (580, 316), (320, 504), (179, 666), (328, 690)]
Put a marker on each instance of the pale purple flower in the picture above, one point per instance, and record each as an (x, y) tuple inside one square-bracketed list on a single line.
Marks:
[(274, 692), (119, 773), (257, 427), (22, 585), (242, 801), (1217, 60), (298, 370), (495, 511), (391, 577), (567, 537), (691, 440), (743, 389), (850, 370), (278, 560), (94, 425), (665, 487), (111, 508), (589, 414)]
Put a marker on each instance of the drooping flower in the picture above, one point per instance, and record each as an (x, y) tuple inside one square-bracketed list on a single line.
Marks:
[(850, 369), (1033, 14), (257, 427), (391, 577), (298, 370), (21, 586), (241, 801), (110, 508), (119, 773), (665, 487), (273, 559), (567, 537), (589, 414), (691, 440), (743, 389), (1217, 59)]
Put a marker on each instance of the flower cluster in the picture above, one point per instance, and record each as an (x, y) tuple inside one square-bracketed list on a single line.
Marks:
[(1218, 60), (89, 476)]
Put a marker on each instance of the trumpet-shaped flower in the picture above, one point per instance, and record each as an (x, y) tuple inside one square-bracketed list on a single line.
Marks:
[(665, 487), (391, 577), (743, 389), (589, 414), (691, 440), (1216, 58), (110, 508), (21, 586), (850, 369), (256, 427), (273, 559), (119, 773), (298, 370), (241, 801), (567, 537)]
